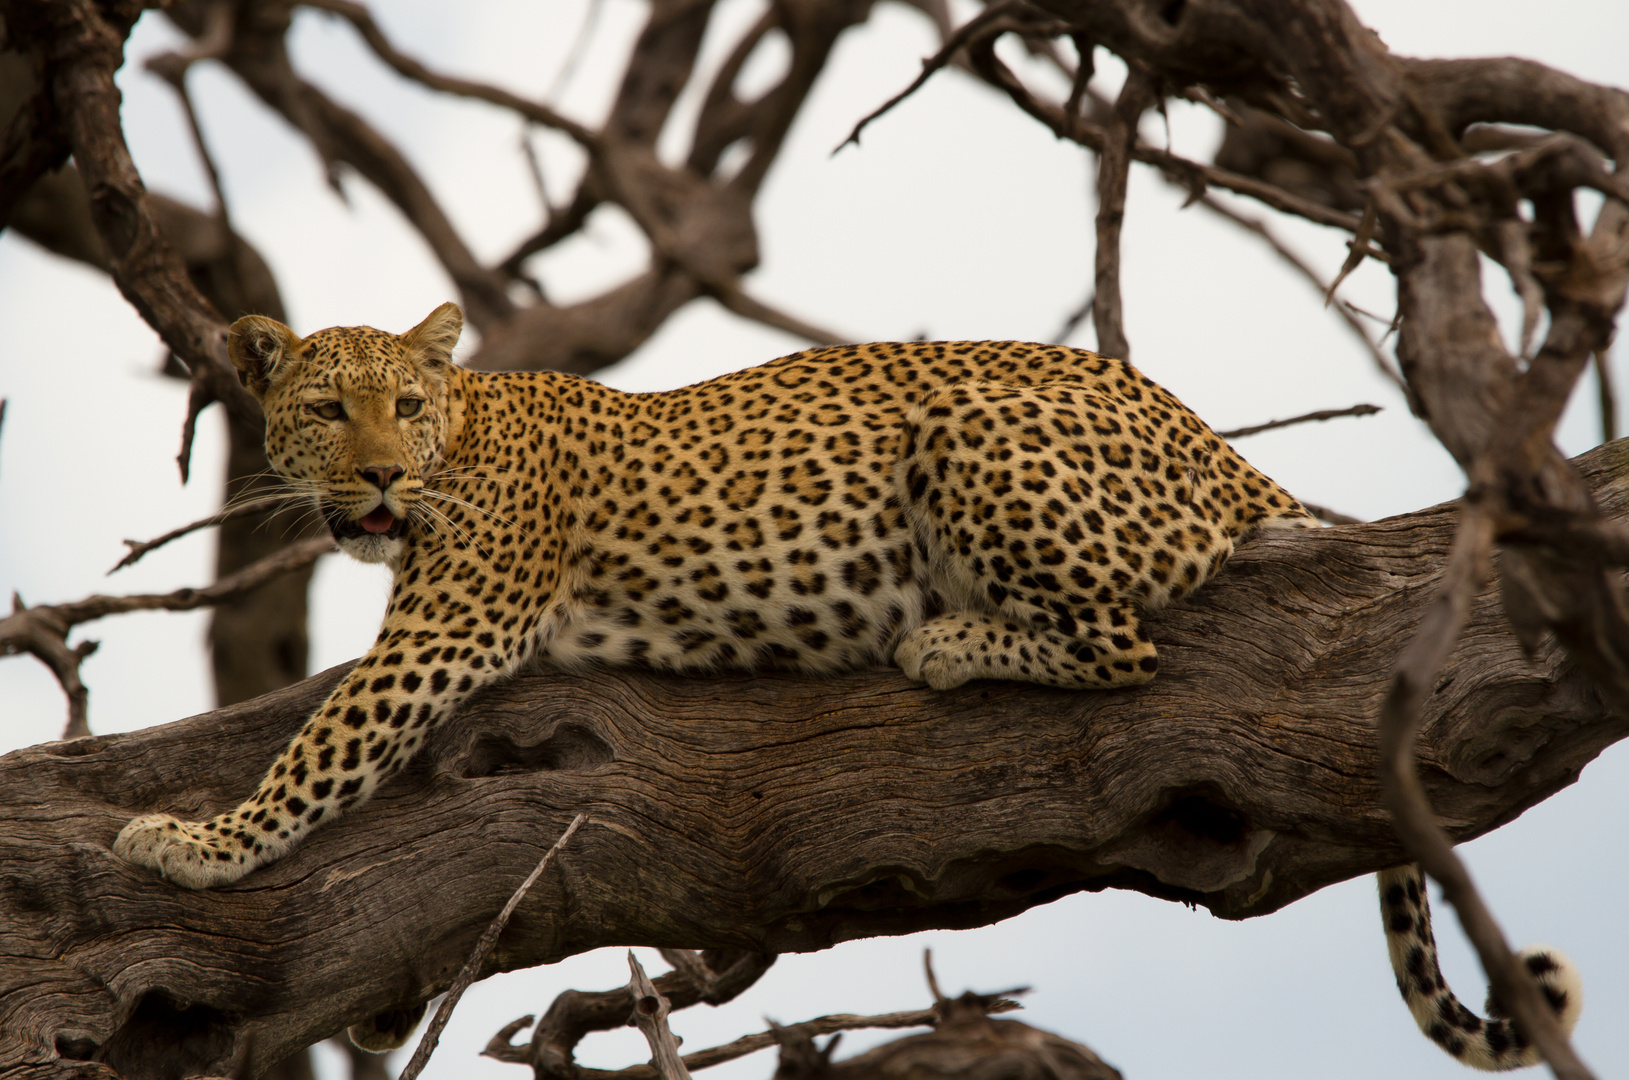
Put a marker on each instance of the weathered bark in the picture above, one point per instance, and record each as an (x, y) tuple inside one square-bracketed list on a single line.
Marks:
[(803, 813)]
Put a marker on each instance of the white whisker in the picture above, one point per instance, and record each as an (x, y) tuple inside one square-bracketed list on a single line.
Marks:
[(466, 504), (465, 472), (433, 514)]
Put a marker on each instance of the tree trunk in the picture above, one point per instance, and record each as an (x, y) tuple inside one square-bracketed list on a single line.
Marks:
[(802, 812)]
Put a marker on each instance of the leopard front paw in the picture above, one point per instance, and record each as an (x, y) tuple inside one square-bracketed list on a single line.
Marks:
[(182, 852)]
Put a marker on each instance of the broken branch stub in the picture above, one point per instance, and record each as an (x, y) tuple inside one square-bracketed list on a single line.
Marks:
[(650, 1011)]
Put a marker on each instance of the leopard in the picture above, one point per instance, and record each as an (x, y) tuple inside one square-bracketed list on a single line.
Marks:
[(965, 510)]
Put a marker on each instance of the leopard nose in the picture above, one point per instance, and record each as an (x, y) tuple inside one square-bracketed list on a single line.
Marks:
[(381, 476)]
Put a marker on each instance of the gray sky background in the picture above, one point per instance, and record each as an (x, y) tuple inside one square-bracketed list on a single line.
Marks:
[(957, 217)]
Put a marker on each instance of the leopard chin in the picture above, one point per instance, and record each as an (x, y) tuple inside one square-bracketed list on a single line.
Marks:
[(372, 549)]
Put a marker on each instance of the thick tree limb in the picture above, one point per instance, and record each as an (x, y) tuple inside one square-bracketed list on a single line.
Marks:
[(1243, 778)]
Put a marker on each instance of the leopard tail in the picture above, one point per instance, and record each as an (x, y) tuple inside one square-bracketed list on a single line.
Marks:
[(1492, 1044)]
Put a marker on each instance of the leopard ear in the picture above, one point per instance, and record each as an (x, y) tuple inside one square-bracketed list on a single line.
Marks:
[(431, 341), (262, 349)]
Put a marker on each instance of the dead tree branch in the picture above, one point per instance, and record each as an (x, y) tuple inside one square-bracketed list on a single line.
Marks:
[(1382, 363), (1113, 171), (1174, 789), (139, 548), (714, 976), (1304, 418), (945, 1014), (82, 48)]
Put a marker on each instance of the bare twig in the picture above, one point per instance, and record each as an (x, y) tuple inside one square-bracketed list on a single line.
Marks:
[(1390, 324), (1304, 418), (579, 49), (44, 636), (716, 977), (1555, 159), (172, 67), (1358, 247), (750, 1044), (1072, 321), (1515, 254), (143, 265), (1192, 175), (730, 293), (296, 555), (979, 23), (1198, 176), (359, 17), (472, 966), (933, 980), (139, 548)]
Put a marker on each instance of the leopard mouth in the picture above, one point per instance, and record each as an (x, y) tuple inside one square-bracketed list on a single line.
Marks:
[(378, 522)]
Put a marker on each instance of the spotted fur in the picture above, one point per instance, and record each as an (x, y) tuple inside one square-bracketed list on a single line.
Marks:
[(966, 509), (1492, 1044)]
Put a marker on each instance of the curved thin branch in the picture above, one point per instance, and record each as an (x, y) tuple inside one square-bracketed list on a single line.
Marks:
[(1304, 418), (139, 548), (537, 112), (996, 19), (1113, 169)]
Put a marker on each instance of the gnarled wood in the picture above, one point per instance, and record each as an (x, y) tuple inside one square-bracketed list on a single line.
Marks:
[(773, 813)]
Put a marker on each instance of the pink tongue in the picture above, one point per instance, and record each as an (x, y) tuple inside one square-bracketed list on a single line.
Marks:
[(379, 520)]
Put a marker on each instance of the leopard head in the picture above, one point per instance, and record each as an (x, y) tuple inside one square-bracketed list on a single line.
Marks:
[(356, 418)]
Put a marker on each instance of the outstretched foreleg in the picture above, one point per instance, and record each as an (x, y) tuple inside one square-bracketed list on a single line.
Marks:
[(368, 729)]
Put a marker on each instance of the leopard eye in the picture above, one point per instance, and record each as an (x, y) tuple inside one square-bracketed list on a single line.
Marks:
[(329, 410), (409, 407)]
